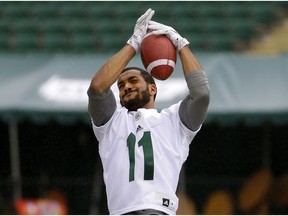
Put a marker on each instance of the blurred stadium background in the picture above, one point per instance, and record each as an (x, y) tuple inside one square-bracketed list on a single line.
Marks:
[(49, 159)]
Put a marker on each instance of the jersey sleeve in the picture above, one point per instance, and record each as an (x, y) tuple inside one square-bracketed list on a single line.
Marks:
[(185, 134), (186, 131), (193, 108), (101, 106)]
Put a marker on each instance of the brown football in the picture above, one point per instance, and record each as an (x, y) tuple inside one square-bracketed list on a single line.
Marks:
[(158, 55)]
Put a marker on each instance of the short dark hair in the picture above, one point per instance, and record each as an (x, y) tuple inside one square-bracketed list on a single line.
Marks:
[(146, 76)]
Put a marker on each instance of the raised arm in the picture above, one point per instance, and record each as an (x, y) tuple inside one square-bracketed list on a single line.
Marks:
[(110, 71), (193, 108), (107, 75), (102, 103)]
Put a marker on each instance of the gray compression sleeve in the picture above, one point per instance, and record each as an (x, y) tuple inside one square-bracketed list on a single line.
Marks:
[(101, 106), (193, 108)]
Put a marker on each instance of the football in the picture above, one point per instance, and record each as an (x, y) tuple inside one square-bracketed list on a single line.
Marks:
[(158, 55)]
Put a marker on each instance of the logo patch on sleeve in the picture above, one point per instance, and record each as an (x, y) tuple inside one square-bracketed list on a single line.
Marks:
[(165, 202)]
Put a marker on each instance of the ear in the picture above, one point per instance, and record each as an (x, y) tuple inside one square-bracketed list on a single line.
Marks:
[(152, 89)]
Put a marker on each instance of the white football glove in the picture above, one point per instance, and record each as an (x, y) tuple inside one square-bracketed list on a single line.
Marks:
[(158, 29), (140, 29)]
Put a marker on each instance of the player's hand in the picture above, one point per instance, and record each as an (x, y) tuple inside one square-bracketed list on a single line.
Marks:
[(158, 28), (140, 29)]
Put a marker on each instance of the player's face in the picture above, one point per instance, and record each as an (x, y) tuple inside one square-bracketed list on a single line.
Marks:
[(134, 92)]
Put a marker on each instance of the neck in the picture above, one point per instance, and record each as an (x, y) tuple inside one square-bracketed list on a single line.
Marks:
[(150, 104)]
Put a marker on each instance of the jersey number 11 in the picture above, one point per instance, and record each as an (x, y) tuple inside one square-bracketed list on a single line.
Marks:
[(146, 144)]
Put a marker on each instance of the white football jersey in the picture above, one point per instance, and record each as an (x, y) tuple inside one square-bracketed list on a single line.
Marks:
[(142, 153)]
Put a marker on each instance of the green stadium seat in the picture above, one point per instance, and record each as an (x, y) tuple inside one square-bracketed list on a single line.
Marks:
[(109, 26), (212, 26), (100, 10), (53, 42), (25, 26), (72, 10), (220, 42), (81, 26), (84, 42), (265, 13), (16, 10), (238, 10), (111, 43), (4, 42), (127, 10), (188, 27), (188, 11), (241, 28), (211, 10), (55, 26), (197, 41), (69, 26), (5, 25), (45, 11), (25, 42)]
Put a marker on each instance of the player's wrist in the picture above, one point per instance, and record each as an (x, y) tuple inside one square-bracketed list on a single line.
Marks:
[(131, 48), (182, 42), (133, 42)]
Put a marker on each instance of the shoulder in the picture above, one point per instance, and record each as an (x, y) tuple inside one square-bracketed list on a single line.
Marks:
[(172, 110), (100, 96)]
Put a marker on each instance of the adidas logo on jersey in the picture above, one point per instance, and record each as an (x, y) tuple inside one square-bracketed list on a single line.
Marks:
[(138, 128), (165, 202)]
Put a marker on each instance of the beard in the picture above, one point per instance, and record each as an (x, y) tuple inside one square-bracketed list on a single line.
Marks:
[(137, 102)]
